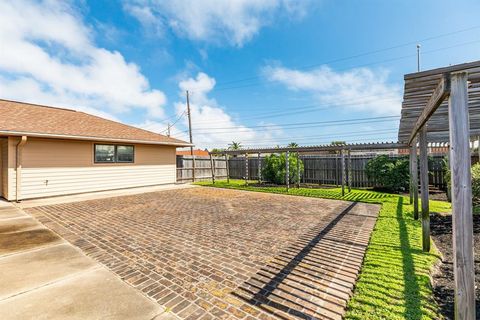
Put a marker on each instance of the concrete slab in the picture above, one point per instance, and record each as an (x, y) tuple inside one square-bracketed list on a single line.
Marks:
[(25, 240), (32, 269), (96, 294), (11, 212), (23, 223)]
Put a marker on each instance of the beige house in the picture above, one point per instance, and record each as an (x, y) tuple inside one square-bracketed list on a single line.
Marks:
[(47, 151)]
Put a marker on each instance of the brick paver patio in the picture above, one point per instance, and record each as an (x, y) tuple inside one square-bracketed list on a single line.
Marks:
[(215, 254)]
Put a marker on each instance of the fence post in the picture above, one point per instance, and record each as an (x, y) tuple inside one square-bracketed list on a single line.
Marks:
[(349, 175), (287, 173), (298, 169), (478, 148), (193, 167), (246, 169), (460, 162), (259, 169), (228, 169), (424, 190), (342, 156), (212, 167)]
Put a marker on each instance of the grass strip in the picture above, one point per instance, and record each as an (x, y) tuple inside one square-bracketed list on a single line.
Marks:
[(394, 282)]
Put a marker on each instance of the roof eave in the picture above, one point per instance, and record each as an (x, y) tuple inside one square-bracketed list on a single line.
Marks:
[(89, 138)]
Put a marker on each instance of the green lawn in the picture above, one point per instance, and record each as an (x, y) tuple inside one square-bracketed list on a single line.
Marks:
[(394, 281)]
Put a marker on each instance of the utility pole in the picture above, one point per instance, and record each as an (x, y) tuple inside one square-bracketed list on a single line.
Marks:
[(190, 132), (418, 57), (168, 130)]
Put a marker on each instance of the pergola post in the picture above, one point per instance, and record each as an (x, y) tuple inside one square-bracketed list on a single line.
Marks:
[(212, 167), (414, 177), (342, 155), (349, 175), (460, 162), (259, 169), (246, 169), (228, 169), (424, 189), (298, 170), (287, 172)]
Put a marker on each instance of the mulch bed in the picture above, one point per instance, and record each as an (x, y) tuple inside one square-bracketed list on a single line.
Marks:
[(441, 228)]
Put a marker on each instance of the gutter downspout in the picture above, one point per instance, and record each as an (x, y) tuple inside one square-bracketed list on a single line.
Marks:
[(18, 160)]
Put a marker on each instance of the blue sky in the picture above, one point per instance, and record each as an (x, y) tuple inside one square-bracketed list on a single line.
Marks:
[(260, 72)]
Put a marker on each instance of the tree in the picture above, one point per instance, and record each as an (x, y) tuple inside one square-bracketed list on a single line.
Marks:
[(292, 145), (338, 143), (235, 145)]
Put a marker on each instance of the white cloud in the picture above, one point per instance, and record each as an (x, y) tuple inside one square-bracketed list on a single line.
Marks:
[(233, 21), (207, 115), (48, 56), (360, 89)]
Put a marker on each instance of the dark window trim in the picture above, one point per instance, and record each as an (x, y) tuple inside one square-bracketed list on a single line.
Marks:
[(115, 156)]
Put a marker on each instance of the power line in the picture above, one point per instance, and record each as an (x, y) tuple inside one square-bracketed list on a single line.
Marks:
[(305, 123), (310, 137), (355, 66), (362, 54)]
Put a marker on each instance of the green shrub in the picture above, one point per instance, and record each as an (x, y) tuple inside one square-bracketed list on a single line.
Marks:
[(274, 168), (476, 183), (390, 174)]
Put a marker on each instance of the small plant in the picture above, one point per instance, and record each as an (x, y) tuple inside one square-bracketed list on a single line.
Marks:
[(390, 174), (274, 168)]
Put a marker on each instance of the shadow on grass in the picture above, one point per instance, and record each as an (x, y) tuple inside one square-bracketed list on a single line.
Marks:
[(412, 288)]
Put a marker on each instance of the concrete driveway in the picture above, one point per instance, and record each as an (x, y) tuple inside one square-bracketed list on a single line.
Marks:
[(207, 253), (44, 277)]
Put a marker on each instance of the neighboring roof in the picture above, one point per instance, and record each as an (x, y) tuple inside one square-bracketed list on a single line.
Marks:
[(196, 152), (419, 88), (19, 118)]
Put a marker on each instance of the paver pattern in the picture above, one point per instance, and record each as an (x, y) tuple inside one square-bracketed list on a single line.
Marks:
[(208, 253)]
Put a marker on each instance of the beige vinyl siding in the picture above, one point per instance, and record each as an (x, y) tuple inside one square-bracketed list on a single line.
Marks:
[(45, 182), (54, 167)]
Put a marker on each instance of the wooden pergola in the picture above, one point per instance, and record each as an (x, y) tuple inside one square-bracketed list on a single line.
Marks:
[(443, 105), (344, 150)]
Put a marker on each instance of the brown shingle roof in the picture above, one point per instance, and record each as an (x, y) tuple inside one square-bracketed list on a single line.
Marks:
[(18, 118)]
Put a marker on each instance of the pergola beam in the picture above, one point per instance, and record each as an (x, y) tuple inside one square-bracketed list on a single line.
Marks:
[(439, 95), (306, 149)]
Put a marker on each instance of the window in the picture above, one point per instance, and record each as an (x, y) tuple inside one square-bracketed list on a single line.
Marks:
[(108, 153), (124, 153)]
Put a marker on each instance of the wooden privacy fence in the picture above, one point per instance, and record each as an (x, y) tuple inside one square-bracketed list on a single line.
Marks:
[(318, 169), (203, 168)]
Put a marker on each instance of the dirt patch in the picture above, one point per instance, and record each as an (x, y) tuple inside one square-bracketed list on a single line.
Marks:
[(441, 228)]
